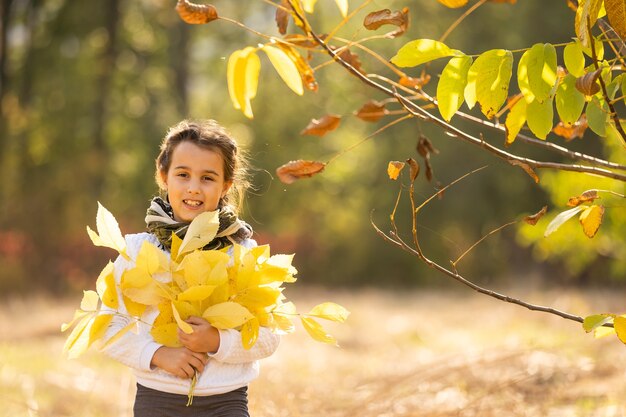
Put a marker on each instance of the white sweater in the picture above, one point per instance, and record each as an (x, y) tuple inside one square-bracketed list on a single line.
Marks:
[(229, 368)]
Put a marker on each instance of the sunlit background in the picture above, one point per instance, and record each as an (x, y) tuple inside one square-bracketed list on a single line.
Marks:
[(88, 90)]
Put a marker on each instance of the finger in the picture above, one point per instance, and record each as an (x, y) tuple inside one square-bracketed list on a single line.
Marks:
[(189, 370), (203, 357), (196, 320), (197, 364)]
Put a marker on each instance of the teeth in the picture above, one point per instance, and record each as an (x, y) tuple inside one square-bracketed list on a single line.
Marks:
[(192, 203)]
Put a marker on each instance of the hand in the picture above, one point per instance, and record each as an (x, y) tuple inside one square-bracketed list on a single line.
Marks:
[(204, 339), (179, 361)]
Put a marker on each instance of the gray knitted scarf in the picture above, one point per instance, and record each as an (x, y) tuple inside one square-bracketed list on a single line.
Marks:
[(160, 222)]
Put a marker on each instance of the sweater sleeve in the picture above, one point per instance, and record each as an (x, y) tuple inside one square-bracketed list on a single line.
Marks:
[(136, 347)]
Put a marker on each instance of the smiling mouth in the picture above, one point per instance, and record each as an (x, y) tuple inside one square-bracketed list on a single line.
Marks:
[(193, 203)]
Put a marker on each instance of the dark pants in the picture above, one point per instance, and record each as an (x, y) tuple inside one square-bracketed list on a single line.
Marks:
[(153, 403)]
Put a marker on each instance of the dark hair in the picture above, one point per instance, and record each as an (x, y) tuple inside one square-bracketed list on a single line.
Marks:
[(210, 135)]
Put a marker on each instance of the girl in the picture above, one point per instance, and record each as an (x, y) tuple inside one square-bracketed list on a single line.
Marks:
[(199, 169)]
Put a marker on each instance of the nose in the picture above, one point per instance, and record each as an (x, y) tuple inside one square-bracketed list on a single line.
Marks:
[(193, 187)]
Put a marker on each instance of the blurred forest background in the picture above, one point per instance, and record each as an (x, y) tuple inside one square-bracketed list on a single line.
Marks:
[(88, 90)]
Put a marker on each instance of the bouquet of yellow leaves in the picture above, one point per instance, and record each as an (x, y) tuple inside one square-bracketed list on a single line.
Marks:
[(241, 293)]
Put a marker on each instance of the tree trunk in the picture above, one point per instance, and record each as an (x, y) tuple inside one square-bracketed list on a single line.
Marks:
[(179, 57)]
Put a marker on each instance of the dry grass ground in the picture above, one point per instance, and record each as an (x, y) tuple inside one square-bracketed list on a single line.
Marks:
[(418, 353)]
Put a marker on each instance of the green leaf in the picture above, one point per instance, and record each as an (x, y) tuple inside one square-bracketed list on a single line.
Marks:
[(569, 101), (574, 59), (420, 51), (515, 120), (591, 322), (562, 218), (597, 116), (540, 117), (451, 86), (542, 70), (522, 77), (488, 81)]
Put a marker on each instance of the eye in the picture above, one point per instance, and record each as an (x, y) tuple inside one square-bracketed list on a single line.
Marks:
[(207, 178), (182, 175)]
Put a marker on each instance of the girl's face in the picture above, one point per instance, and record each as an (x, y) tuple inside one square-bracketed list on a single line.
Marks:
[(195, 181)]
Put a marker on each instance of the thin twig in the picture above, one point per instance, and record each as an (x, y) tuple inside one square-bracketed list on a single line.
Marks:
[(496, 230), (423, 114)]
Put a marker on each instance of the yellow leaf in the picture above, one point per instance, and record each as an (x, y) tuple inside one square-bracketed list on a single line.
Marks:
[(343, 7), (261, 252), (187, 309), (134, 309), (282, 261), (258, 297), (184, 326), (105, 285), (151, 294), (227, 315), (89, 301), (151, 259), (309, 5), (205, 267), (201, 231), (620, 328), (616, 11), (453, 4), (117, 336), (330, 311), (76, 342), (591, 219), (166, 334), (515, 120), (78, 314), (109, 234), (249, 333), (176, 241), (99, 327), (316, 331), (220, 294), (542, 70), (286, 68), (196, 293), (594, 321), (394, 168), (587, 10), (282, 316), (603, 332), (522, 77), (574, 59), (243, 77)]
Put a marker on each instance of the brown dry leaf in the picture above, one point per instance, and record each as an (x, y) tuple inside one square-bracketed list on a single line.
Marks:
[(196, 14), (352, 59), (379, 18), (577, 130), (572, 4), (282, 16), (305, 70), (319, 127), (372, 111), (591, 219), (394, 168), (533, 219), (429, 170), (616, 12), (588, 195), (415, 82), (453, 4), (526, 168), (295, 170), (425, 147), (415, 168), (588, 83)]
